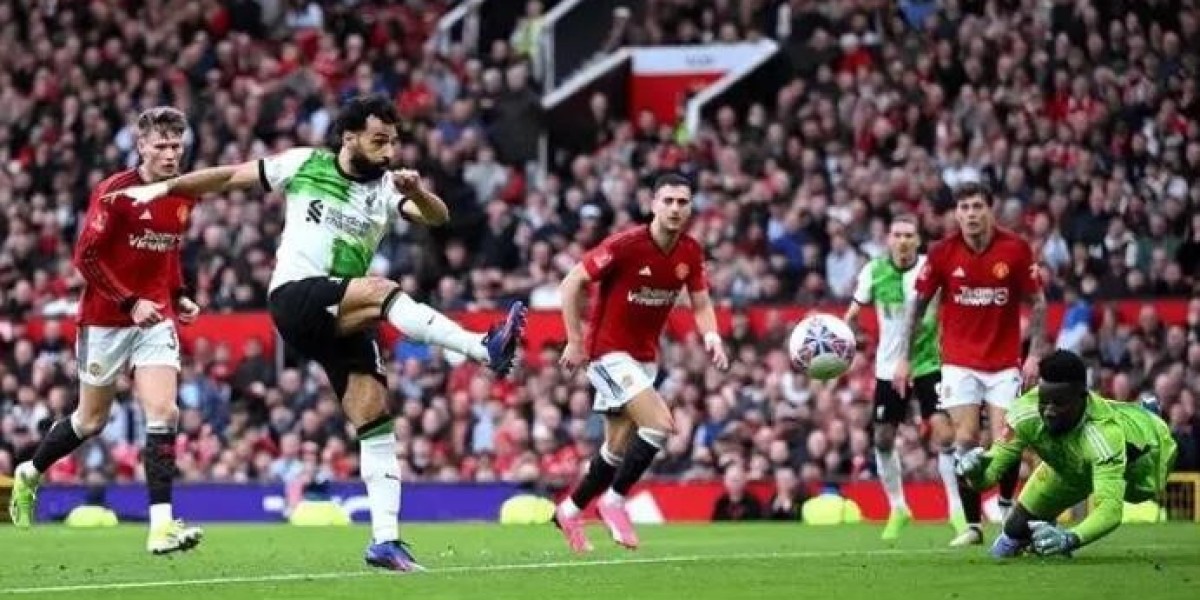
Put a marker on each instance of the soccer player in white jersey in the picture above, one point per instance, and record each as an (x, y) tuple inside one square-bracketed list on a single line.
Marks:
[(340, 204), (889, 282)]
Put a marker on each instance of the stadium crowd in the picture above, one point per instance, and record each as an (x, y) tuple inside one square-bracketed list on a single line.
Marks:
[(1084, 116)]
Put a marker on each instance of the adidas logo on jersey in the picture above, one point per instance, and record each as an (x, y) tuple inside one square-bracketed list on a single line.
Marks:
[(959, 272), (146, 215), (645, 272)]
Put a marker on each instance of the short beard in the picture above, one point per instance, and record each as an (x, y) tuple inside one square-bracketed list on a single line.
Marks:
[(367, 169)]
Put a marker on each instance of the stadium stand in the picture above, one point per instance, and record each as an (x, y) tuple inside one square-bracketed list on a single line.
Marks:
[(1084, 116)]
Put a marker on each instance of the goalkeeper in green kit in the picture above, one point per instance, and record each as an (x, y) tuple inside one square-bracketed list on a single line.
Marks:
[(1089, 446)]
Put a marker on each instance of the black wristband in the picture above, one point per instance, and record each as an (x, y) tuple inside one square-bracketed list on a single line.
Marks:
[(128, 304)]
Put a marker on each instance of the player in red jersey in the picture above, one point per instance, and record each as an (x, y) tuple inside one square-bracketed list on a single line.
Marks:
[(129, 257), (638, 274), (984, 273)]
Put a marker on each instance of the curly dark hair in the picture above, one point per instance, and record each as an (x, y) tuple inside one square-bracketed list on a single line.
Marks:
[(355, 112)]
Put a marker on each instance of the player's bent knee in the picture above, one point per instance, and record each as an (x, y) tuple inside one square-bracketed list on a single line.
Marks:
[(88, 423), (655, 437), (373, 290)]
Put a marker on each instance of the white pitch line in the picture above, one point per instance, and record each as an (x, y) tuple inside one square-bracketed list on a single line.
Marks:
[(507, 567), (463, 569)]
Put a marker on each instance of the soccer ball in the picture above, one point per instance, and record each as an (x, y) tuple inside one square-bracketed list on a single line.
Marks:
[(822, 346)]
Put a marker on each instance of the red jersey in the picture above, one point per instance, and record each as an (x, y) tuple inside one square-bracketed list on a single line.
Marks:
[(980, 314), (129, 251), (636, 284)]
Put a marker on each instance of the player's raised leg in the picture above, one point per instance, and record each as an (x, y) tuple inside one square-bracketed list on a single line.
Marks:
[(602, 469), (155, 361), (649, 413), (369, 299)]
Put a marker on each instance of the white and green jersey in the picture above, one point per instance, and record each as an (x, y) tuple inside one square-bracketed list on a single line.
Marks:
[(333, 224), (891, 290)]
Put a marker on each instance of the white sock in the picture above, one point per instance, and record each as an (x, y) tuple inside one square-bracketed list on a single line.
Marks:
[(949, 482), (610, 496), (568, 507), (889, 475), (427, 326), (160, 515), (381, 474)]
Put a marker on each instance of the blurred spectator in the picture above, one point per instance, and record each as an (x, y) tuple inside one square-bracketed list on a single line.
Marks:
[(736, 504)]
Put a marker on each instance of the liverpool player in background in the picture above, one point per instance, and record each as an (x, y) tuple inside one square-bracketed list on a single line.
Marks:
[(638, 275), (129, 257), (984, 273), (890, 283)]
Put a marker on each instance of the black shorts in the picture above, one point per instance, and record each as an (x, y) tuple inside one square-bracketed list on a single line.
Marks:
[(301, 311), (890, 408)]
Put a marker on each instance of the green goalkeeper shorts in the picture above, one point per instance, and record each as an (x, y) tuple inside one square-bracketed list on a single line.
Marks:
[(1047, 494)]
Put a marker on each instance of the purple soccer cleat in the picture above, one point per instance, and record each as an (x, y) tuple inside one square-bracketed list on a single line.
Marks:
[(393, 556), (1006, 547), (504, 339)]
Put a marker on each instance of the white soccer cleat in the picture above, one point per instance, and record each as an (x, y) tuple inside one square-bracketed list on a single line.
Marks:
[(971, 536), (174, 536)]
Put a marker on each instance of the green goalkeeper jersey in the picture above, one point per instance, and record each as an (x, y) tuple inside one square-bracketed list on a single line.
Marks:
[(1119, 451)]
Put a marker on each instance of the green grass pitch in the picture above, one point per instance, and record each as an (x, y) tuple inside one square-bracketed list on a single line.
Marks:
[(699, 562)]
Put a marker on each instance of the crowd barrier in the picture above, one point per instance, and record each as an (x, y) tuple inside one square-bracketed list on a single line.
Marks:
[(649, 502)]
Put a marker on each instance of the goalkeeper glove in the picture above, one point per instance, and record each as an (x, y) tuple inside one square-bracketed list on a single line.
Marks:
[(1049, 539), (970, 463)]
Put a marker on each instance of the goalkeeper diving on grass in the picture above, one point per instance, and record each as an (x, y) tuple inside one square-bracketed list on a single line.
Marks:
[(1089, 446)]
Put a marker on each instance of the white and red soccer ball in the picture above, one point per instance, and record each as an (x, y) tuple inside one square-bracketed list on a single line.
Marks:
[(822, 346)]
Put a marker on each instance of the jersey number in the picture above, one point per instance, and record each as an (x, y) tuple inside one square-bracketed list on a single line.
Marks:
[(316, 209)]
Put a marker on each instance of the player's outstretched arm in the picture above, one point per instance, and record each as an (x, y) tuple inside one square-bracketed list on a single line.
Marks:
[(216, 179), (197, 183), (423, 206)]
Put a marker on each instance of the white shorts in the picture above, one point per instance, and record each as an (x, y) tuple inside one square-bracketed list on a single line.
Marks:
[(965, 387), (105, 352), (617, 378)]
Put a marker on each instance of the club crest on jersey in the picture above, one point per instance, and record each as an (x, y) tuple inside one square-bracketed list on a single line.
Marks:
[(682, 270), (100, 221), (94, 369), (370, 200), (1000, 270)]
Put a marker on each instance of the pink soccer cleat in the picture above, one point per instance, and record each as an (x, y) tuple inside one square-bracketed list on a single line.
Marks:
[(572, 529), (614, 516)]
